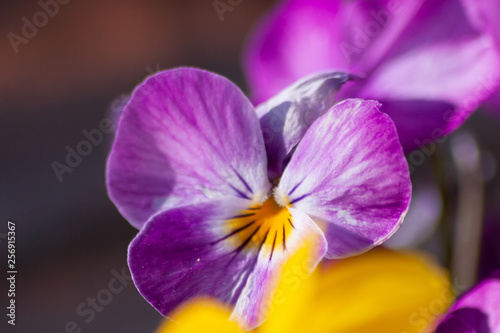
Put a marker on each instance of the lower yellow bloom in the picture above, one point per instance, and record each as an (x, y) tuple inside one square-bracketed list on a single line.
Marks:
[(380, 291)]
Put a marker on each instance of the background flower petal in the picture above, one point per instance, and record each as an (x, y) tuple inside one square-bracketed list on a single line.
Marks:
[(394, 291), (480, 307), (418, 56), (279, 51), (185, 135), (440, 64), (452, 324), (484, 14), (200, 315), (349, 171), (301, 37)]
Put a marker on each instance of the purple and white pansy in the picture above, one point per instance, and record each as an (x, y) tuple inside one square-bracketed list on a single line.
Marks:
[(223, 199)]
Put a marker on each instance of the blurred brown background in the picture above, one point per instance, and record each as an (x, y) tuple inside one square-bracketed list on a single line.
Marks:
[(63, 80)]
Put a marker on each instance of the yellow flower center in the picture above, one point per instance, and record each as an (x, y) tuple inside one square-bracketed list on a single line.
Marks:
[(267, 225)]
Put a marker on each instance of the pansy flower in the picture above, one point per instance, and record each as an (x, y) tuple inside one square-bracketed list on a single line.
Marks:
[(424, 60), (189, 167)]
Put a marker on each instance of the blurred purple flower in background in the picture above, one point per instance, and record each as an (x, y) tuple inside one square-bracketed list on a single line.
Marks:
[(477, 311), (484, 15), (189, 168), (423, 60)]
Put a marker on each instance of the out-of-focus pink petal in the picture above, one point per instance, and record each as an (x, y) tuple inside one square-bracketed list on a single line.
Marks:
[(300, 37), (441, 65), (416, 56), (484, 15)]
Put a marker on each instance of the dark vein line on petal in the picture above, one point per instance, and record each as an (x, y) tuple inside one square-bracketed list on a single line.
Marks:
[(284, 239), (274, 243), (291, 223), (241, 194), (263, 241), (295, 187), (299, 198), (240, 216), (243, 181), (249, 271), (238, 250), (234, 232)]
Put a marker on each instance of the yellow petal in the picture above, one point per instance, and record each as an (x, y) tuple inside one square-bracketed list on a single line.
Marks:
[(380, 291), (295, 292), (203, 315)]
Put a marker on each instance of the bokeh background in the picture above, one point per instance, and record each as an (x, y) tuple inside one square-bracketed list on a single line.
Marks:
[(65, 79)]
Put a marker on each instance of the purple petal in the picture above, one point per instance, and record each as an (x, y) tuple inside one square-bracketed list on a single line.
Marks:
[(422, 121), (280, 51), (349, 171), (452, 324), (286, 117), (416, 56), (484, 14), (301, 37), (254, 300), (439, 70), (192, 251), (440, 65), (480, 307), (185, 135)]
